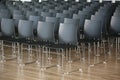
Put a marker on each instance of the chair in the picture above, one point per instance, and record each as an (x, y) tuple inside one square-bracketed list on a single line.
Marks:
[(45, 35), (92, 32), (115, 30), (7, 35), (25, 37), (66, 42)]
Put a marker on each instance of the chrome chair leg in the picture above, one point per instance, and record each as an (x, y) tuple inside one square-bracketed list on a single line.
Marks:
[(20, 54), (14, 50), (2, 57), (69, 55)]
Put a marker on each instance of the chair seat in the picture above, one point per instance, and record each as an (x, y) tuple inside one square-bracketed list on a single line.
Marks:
[(10, 39), (62, 46), (88, 40)]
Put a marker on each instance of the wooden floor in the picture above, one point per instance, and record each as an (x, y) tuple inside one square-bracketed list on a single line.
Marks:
[(110, 71)]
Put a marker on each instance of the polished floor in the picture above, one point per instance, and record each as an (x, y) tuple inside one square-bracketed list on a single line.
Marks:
[(10, 70)]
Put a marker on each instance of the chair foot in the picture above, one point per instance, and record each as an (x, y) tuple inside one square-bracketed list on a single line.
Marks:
[(80, 70), (42, 69), (70, 61), (104, 62), (21, 65), (92, 65)]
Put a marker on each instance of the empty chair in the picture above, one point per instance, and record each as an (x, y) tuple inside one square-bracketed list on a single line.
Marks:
[(45, 33), (7, 35), (25, 37), (92, 32), (66, 42), (115, 32)]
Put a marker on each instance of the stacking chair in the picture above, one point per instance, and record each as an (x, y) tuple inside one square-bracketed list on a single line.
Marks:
[(45, 33), (92, 32), (115, 30), (25, 37), (7, 36), (66, 42)]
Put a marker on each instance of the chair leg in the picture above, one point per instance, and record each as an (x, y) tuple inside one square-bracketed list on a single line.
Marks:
[(14, 47), (38, 55), (89, 55), (20, 55), (43, 67), (2, 57), (117, 48), (104, 51), (29, 53), (69, 55)]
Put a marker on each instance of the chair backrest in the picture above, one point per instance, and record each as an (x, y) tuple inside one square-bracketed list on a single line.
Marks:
[(18, 17), (68, 33), (45, 14), (92, 29), (55, 21), (29, 13), (25, 29), (19, 12), (100, 19), (115, 24), (81, 19), (72, 21), (62, 16), (68, 12), (45, 31), (7, 27), (35, 20)]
